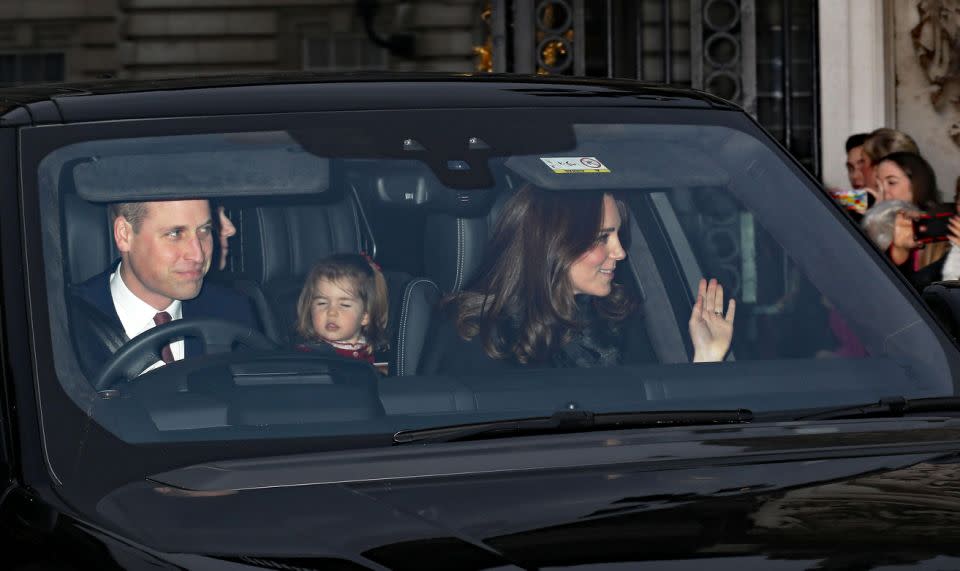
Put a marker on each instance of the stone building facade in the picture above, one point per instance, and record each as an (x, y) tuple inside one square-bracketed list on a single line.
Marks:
[(55, 40), (708, 44), (874, 73), (75, 40), (857, 60)]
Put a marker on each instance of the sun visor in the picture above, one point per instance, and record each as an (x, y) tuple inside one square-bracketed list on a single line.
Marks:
[(609, 164), (196, 166)]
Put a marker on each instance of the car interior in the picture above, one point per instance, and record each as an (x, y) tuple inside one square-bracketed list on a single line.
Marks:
[(429, 239)]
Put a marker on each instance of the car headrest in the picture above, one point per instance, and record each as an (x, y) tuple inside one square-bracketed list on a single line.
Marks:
[(454, 246), (281, 242), (88, 240)]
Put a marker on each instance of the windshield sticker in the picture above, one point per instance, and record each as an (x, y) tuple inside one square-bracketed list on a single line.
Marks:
[(565, 165)]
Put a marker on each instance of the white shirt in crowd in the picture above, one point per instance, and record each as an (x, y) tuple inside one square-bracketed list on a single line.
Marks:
[(137, 315), (951, 266)]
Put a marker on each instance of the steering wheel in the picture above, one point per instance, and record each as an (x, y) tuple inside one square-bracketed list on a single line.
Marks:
[(218, 336)]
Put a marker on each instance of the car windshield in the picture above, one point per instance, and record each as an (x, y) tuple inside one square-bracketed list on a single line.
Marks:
[(533, 261)]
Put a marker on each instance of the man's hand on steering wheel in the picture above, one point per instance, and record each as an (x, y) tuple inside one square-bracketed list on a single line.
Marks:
[(218, 336)]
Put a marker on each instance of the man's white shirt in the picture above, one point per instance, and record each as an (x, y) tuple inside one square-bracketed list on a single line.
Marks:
[(137, 315)]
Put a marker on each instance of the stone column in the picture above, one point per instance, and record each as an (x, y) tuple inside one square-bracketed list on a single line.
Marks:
[(854, 78)]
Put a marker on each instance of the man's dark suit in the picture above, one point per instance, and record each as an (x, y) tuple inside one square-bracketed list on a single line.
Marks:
[(214, 301)]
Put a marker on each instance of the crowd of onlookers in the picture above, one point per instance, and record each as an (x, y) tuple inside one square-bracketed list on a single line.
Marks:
[(895, 197)]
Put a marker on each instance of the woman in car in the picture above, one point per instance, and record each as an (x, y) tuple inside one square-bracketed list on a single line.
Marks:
[(545, 295)]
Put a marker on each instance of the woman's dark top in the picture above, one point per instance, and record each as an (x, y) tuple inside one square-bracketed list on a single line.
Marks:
[(599, 344), (924, 276)]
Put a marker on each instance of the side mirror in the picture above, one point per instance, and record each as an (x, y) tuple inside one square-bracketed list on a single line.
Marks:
[(943, 299)]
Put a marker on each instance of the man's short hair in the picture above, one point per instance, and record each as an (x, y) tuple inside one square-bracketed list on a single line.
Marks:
[(857, 140), (133, 212)]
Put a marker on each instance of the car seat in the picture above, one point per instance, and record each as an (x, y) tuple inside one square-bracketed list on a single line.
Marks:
[(87, 239), (454, 247), (277, 245), (88, 250)]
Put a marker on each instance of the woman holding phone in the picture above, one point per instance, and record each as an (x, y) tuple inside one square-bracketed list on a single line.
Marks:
[(918, 247)]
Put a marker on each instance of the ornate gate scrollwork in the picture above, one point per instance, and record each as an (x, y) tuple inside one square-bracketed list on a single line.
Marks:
[(722, 49), (532, 36), (555, 36)]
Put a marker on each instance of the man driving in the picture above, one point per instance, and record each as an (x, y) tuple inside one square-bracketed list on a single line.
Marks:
[(166, 249)]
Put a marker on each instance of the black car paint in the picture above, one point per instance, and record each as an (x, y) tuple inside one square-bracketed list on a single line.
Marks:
[(886, 490), (293, 91), (749, 496)]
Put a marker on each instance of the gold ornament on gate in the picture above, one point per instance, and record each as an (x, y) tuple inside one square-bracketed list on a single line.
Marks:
[(556, 50), (484, 53)]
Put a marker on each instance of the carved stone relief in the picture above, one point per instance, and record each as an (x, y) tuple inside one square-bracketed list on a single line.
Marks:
[(936, 40)]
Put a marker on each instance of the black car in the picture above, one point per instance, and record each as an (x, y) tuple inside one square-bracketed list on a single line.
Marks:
[(491, 425)]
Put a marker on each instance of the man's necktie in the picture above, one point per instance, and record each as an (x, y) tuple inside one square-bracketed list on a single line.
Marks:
[(160, 319)]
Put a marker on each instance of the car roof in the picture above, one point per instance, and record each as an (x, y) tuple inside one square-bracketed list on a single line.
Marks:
[(292, 92)]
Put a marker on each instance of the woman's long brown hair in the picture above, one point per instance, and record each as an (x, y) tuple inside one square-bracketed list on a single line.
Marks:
[(923, 180), (522, 303)]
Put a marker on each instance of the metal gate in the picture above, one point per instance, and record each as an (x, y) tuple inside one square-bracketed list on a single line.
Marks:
[(760, 55)]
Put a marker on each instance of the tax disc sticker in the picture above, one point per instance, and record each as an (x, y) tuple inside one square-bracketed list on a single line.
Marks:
[(565, 165)]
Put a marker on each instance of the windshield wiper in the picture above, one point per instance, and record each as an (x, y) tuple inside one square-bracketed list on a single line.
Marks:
[(571, 421), (888, 407)]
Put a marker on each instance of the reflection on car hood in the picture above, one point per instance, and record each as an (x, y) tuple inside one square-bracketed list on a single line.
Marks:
[(800, 493)]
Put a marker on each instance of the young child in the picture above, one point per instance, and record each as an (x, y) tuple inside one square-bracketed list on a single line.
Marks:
[(344, 305)]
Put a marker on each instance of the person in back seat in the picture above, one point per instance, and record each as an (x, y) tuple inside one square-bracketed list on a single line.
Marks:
[(165, 253), (343, 306), (226, 230), (545, 295)]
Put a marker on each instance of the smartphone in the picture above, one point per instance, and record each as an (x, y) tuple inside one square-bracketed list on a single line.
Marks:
[(932, 227), (856, 200)]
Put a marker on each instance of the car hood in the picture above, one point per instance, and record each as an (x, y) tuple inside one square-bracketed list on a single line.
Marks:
[(886, 491)]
